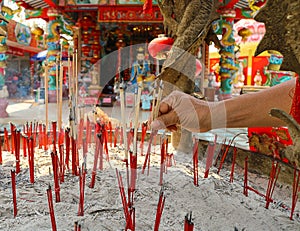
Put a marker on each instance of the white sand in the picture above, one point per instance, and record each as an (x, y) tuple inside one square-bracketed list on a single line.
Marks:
[(216, 204)]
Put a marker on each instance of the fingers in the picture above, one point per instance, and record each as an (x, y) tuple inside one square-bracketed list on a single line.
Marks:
[(166, 120)]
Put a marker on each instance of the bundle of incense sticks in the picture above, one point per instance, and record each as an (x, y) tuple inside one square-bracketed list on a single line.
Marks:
[(82, 176), (195, 162), (188, 224), (127, 214), (275, 170), (14, 191), (224, 155), (51, 209), (55, 175), (159, 210)]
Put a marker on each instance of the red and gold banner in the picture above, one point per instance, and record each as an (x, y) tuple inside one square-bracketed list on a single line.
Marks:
[(128, 14)]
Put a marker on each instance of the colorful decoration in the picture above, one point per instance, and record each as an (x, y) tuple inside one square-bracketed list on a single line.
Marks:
[(128, 14), (56, 26), (23, 34), (228, 65)]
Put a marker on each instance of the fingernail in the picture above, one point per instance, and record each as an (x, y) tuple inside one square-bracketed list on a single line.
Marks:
[(157, 124)]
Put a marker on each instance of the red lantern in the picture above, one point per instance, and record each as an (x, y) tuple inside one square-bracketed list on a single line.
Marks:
[(198, 67), (86, 50), (159, 46)]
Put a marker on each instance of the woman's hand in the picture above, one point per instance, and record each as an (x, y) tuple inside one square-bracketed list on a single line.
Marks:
[(180, 109)]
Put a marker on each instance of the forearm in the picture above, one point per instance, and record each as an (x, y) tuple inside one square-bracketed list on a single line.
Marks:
[(252, 109)]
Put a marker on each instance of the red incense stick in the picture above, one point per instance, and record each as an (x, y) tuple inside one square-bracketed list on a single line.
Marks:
[(67, 142), (133, 174), (82, 175), (275, 170), (295, 192), (162, 161), (55, 175), (224, 156), (17, 138), (0, 151), (96, 156), (246, 177), (159, 210), (54, 135), (195, 162), (233, 164), (124, 202), (188, 224), (12, 129), (51, 209), (144, 131), (147, 158), (210, 155), (61, 163), (100, 151), (30, 159), (24, 141), (110, 133), (116, 136), (6, 140), (14, 191)]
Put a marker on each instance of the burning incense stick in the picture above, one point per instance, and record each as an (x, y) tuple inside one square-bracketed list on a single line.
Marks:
[(51, 209), (14, 191)]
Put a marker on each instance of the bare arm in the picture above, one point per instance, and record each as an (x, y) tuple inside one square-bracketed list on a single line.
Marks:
[(249, 110)]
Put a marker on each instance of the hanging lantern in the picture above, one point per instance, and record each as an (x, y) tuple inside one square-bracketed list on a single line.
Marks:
[(198, 67), (85, 38), (158, 47), (86, 50)]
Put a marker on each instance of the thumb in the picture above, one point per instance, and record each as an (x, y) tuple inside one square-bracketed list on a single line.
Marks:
[(165, 120)]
